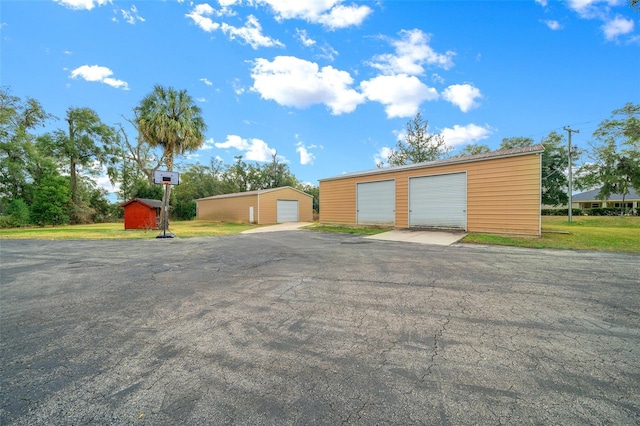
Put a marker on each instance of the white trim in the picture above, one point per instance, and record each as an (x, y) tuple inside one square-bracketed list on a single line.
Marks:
[(540, 213)]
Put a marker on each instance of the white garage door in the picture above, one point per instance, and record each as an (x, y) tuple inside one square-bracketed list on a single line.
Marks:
[(376, 203), (438, 201), (287, 211)]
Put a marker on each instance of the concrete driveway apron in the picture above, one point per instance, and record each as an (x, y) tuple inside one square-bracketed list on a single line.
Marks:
[(441, 238)]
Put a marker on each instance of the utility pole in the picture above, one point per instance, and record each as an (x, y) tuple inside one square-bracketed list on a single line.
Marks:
[(569, 131)]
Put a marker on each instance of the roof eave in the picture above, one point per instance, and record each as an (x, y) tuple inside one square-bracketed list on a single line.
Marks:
[(534, 149)]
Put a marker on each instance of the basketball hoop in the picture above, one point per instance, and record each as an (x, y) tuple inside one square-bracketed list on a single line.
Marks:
[(166, 178)]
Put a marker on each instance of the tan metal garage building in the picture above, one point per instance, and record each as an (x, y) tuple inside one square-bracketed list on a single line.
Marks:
[(264, 206), (497, 192)]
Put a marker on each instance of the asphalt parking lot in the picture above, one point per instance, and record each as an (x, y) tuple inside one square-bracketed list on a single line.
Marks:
[(301, 327)]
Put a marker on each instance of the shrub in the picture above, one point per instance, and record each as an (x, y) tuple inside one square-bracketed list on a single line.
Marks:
[(184, 210), (606, 211), (8, 222), (19, 212), (561, 212)]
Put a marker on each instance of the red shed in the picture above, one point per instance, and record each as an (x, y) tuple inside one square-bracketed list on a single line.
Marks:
[(141, 213)]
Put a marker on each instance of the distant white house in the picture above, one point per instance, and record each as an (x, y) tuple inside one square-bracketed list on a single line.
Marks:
[(588, 200)]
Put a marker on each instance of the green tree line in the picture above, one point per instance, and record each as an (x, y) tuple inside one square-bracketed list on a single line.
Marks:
[(612, 162), (49, 178)]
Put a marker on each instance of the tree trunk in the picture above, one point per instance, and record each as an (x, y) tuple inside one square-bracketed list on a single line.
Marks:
[(73, 178), (166, 195)]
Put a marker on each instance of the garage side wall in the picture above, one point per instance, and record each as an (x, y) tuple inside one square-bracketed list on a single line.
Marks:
[(232, 209), (269, 202), (503, 194)]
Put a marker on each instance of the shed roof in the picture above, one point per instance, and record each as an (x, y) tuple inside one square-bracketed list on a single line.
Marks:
[(154, 204), (248, 193), (593, 194), (533, 149)]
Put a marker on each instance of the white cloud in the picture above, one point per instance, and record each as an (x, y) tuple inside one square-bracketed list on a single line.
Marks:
[(251, 34), (131, 16), (304, 38), (592, 8), (463, 135), (294, 82), (238, 89), (200, 15), (306, 157), (412, 52), (104, 182), (225, 7), (462, 95), (118, 84), (82, 4), (344, 16), (617, 27), (208, 144), (553, 25), (542, 2), (255, 149), (602, 10), (382, 156), (328, 52), (206, 81), (437, 78), (329, 13), (400, 94), (98, 74)]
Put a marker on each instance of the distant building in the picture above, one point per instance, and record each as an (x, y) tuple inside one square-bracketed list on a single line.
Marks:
[(588, 200), (264, 206)]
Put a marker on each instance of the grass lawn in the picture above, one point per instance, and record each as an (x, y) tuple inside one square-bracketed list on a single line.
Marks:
[(359, 230), (603, 233), (101, 231)]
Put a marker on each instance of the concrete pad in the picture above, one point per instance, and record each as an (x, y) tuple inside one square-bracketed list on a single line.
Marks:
[(287, 226), (441, 238)]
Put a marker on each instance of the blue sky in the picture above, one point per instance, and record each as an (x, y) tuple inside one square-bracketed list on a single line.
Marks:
[(331, 84)]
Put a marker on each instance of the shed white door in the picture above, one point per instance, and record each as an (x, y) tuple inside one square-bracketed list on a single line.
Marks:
[(287, 211), (376, 203), (438, 201)]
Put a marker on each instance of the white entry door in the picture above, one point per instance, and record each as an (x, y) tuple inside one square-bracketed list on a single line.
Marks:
[(438, 201), (376, 203), (287, 211)]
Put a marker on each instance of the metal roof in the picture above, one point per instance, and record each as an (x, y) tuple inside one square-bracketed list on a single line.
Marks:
[(156, 204), (247, 193), (593, 194), (533, 149)]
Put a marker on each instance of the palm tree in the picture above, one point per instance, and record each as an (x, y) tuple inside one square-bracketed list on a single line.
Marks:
[(169, 119)]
